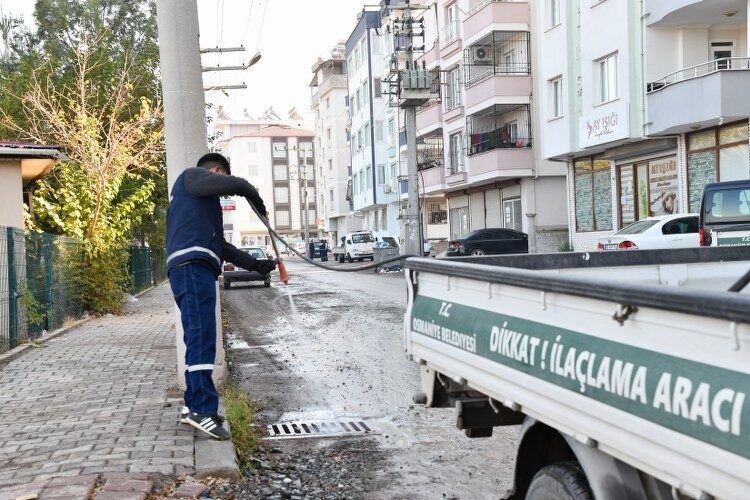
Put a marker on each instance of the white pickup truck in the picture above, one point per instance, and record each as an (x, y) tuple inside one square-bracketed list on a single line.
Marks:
[(627, 372), (354, 246)]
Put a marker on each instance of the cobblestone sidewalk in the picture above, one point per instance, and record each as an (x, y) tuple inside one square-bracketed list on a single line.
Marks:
[(94, 400)]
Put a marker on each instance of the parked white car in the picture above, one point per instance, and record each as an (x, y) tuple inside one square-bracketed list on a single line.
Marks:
[(668, 231)]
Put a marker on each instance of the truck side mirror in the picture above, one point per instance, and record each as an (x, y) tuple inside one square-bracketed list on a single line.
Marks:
[(348, 242)]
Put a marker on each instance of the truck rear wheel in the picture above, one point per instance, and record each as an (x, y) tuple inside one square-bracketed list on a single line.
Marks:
[(561, 481)]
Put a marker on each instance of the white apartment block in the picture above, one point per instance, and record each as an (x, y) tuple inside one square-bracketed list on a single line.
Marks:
[(479, 144), (645, 102), (274, 157), (330, 96), (372, 130)]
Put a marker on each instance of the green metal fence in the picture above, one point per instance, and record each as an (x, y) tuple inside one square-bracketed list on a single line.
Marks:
[(41, 279)]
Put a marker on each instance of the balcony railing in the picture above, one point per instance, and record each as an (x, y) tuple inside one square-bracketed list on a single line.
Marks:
[(499, 53), (449, 33), (699, 70), (429, 156)]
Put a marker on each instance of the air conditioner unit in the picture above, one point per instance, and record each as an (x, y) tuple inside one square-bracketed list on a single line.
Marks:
[(481, 55)]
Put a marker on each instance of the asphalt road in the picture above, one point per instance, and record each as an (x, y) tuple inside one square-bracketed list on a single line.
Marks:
[(336, 350)]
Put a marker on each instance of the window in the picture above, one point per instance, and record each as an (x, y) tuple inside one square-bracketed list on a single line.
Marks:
[(367, 134), (436, 213), (687, 225), (452, 88), (282, 217), (727, 205), (365, 92), (606, 79), (360, 140), (556, 95), (252, 147), (593, 195), (394, 176), (330, 194), (328, 102), (369, 176), (392, 131), (648, 189), (553, 13), (330, 166), (511, 215), (376, 44), (384, 219), (281, 194), (328, 136), (379, 131), (358, 101), (280, 173), (252, 170), (361, 181), (378, 87), (456, 154), (381, 174), (279, 150), (355, 183), (451, 25), (720, 154)]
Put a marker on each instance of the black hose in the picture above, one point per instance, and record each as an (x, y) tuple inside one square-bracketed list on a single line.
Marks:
[(328, 267)]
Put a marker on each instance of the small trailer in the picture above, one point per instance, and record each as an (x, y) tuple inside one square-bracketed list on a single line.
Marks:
[(627, 372)]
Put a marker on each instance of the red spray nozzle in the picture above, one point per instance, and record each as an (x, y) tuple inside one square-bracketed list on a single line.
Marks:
[(283, 274)]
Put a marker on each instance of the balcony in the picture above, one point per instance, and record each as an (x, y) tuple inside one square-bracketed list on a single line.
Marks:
[(501, 126), (716, 91), (432, 179), (430, 152), (674, 13), (486, 13), (450, 39), (429, 117)]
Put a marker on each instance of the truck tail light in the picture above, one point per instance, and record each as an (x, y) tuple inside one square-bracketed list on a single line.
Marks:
[(704, 236), (228, 267), (627, 245), (600, 246)]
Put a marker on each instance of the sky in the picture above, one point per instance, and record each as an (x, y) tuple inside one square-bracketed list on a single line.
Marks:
[(291, 36)]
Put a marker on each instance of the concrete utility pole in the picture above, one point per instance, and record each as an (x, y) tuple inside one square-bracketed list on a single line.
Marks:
[(307, 202), (414, 89), (184, 123)]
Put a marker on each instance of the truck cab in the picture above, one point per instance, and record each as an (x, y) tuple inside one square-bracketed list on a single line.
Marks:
[(356, 246), (725, 214)]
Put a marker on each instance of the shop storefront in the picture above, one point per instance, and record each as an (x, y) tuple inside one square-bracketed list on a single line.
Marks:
[(718, 154)]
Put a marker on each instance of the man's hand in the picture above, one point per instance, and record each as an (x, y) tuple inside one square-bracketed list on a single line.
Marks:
[(264, 266)]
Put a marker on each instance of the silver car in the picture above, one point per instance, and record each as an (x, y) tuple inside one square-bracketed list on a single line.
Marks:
[(232, 273)]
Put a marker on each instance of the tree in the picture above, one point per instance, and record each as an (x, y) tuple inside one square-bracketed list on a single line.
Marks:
[(114, 142)]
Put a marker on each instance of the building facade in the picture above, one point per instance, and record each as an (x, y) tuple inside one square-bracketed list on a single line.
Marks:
[(372, 129), (479, 144), (275, 159), (330, 98), (642, 102)]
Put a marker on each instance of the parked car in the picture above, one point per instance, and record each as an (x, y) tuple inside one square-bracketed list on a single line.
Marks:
[(490, 242), (232, 273), (725, 214), (666, 231)]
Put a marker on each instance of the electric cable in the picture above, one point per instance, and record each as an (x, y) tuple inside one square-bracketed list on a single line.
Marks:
[(328, 267)]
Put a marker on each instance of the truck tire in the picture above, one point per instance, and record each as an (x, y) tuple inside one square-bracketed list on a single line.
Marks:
[(561, 481)]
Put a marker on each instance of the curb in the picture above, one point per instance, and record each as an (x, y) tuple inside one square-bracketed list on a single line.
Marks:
[(216, 458), (17, 351)]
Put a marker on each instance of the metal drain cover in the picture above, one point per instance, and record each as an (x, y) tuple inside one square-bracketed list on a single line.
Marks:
[(318, 428)]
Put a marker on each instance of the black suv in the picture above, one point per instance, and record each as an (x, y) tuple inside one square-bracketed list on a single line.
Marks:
[(725, 214), (490, 242)]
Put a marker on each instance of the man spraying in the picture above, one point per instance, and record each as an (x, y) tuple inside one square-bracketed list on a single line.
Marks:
[(196, 251)]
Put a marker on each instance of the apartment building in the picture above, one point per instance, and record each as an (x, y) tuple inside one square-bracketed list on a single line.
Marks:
[(643, 103), (480, 142), (372, 129), (273, 157), (330, 98)]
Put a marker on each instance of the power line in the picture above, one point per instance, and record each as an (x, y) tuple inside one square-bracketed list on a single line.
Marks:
[(247, 23), (262, 23)]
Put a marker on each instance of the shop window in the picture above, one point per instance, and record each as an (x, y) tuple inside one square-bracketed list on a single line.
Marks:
[(648, 189), (719, 154), (512, 214), (436, 213), (593, 195)]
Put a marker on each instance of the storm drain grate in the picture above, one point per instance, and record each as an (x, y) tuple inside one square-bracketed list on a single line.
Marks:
[(318, 428)]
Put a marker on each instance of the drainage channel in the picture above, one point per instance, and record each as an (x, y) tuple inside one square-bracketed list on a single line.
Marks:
[(318, 428)]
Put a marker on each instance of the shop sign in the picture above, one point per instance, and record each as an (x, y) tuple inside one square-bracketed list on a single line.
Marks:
[(606, 124), (662, 177)]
